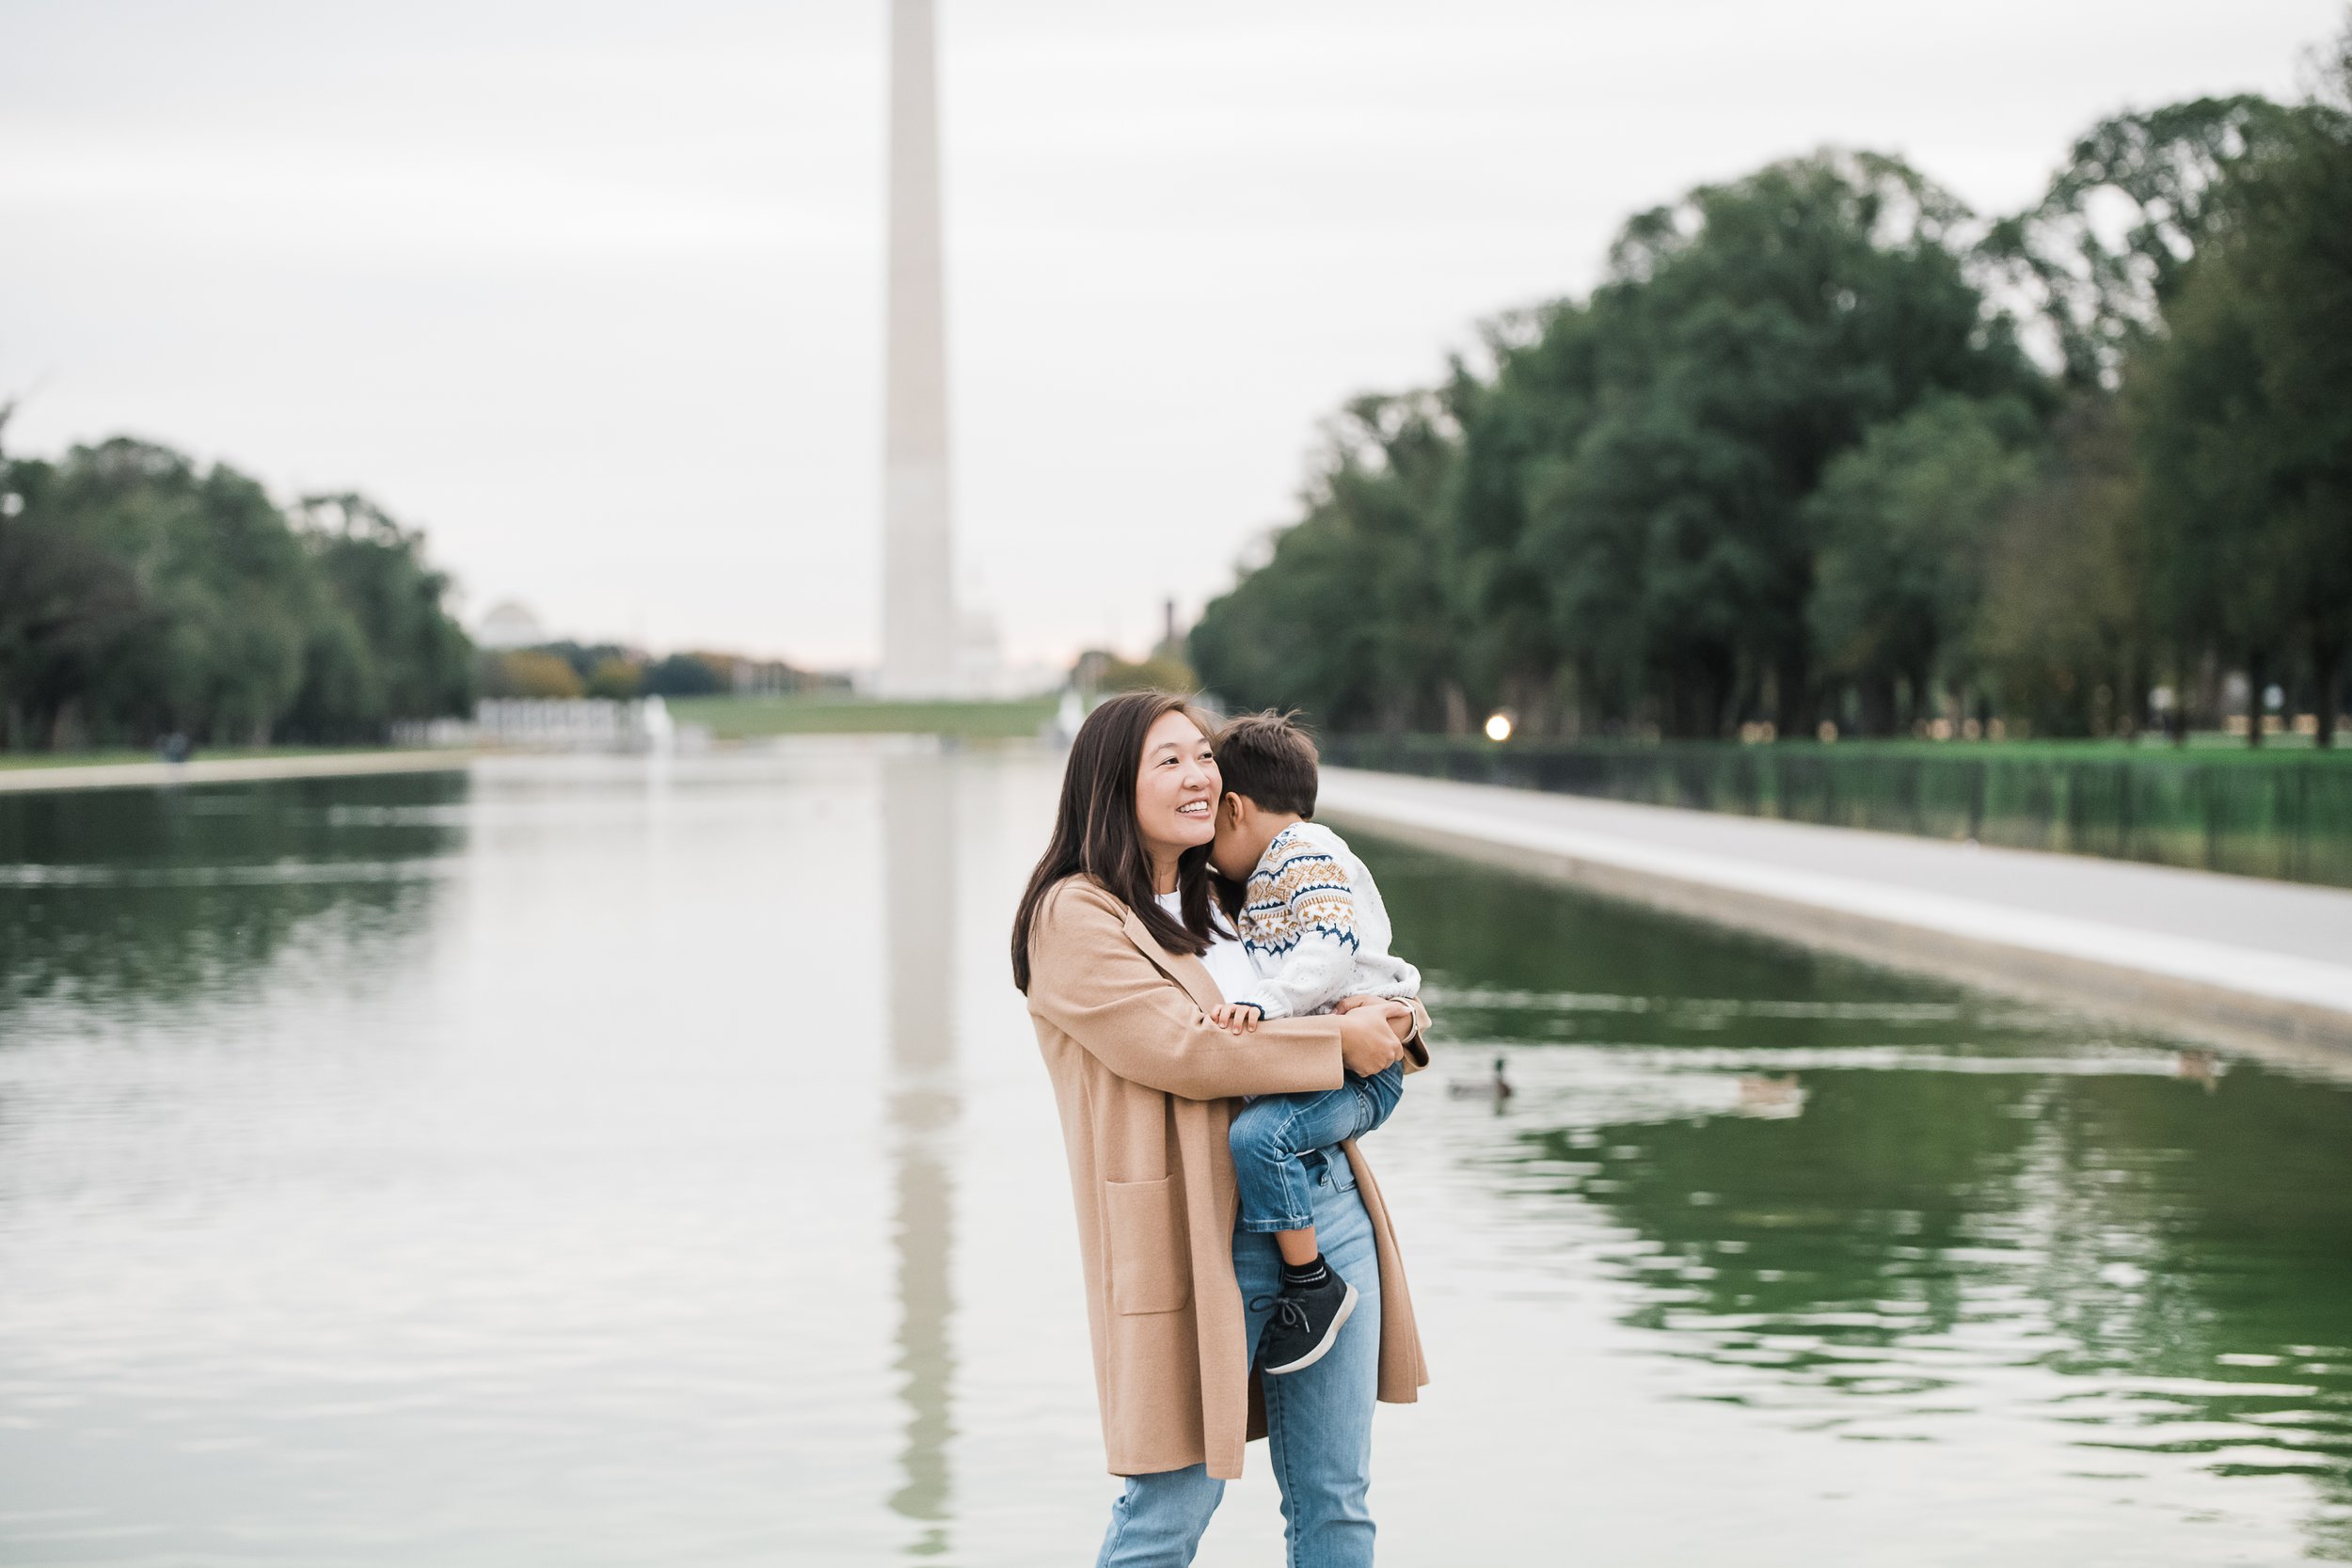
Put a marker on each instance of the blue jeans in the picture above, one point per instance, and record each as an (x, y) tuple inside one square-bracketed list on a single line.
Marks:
[(1272, 1132), (1318, 1420)]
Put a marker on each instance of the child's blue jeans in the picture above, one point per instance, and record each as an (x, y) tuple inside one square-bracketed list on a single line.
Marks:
[(1272, 1132)]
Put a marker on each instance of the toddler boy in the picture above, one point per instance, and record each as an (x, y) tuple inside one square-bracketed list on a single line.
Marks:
[(1314, 929)]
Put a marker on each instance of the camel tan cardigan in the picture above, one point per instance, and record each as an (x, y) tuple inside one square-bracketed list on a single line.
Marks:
[(1147, 1086)]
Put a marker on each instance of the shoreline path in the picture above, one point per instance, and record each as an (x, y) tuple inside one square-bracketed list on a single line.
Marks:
[(2239, 960), (135, 775)]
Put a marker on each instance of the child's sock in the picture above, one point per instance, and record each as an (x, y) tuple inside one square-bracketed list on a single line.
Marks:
[(1304, 1276)]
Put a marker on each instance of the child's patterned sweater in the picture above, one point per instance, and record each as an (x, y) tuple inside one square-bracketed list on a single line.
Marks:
[(1314, 928)]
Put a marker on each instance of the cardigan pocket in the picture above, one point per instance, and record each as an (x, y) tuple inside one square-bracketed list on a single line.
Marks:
[(1148, 1258)]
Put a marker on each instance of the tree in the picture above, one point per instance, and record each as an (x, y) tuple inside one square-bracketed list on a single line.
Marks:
[(1508, 651), (2109, 244), (529, 672), (1347, 621), (2064, 631), (618, 678), (68, 608), (1792, 451), (140, 595), (1902, 524), (2291, 252), (1746, 337), (683, 676), (1100, 671), (227, 593), (585, 658), (383, 648), (2245, 426)]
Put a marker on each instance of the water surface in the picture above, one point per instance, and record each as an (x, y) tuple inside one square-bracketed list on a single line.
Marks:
[(601, 1161)]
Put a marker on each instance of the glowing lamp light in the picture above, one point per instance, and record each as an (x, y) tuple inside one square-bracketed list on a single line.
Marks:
[(1499, 726)]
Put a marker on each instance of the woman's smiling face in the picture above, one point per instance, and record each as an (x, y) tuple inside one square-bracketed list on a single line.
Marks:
[(1176, 787)]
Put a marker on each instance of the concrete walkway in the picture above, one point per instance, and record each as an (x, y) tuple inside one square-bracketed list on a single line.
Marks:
[(122, 775), (2236, 958)]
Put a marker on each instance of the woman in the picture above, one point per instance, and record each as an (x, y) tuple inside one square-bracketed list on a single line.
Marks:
[(1109, 943)]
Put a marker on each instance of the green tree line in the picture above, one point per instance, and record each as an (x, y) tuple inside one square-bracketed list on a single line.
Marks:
[(141, 597), (570, 669), (1826, 445)]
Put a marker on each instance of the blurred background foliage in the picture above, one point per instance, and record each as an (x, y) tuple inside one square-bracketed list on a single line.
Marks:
[(141, 597), (1823, 445), (570, 669)]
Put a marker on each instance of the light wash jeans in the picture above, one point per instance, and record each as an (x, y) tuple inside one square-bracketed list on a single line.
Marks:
[(1272, 1132), (1318, 1420)]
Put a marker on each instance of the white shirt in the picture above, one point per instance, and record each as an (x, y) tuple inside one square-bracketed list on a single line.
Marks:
[(1228, 961)]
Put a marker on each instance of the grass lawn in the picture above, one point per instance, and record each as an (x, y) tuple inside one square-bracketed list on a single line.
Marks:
[(751, 718), (2202, 748), (13, 760), (2215, 747)]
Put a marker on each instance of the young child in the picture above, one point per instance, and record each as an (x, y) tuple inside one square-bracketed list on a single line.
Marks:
[(1316, 931)]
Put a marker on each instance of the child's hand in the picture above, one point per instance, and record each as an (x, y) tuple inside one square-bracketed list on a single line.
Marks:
[(1396, 1008), (1239, 1017), (1400, 1014)]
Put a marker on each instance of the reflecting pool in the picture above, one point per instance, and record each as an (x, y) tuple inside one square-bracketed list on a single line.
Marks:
[(594, 1160)]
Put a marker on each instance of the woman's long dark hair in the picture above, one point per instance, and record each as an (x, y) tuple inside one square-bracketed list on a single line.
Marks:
[(1095, 832)]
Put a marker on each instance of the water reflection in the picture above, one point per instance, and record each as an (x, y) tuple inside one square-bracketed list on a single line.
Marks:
[(1868, 1216), (675, 1179), (135, 896), (919, 854)]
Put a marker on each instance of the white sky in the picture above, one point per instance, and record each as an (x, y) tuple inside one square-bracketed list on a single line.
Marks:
[(593, 291)]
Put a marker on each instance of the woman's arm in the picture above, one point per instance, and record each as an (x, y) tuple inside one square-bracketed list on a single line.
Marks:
[(1089, 981)]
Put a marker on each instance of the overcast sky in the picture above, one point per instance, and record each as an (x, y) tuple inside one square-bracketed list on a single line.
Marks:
[(593, 291)]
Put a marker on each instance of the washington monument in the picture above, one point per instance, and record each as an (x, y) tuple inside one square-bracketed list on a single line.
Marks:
[(919, 625)]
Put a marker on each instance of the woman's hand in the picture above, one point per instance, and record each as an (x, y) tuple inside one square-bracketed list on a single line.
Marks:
[(1369, 1040), (1400, 1014)]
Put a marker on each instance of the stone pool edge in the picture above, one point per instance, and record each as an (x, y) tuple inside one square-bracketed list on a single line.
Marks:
[(2302, 1009), (137, 775)]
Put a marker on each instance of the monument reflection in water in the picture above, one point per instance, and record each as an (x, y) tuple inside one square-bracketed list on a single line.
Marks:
[(590, 1162), (919, 887)]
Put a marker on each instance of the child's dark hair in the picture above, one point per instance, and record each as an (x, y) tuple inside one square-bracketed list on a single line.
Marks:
[(1265, 758)]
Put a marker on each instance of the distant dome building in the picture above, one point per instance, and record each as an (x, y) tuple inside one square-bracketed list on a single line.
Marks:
[(510, 624)]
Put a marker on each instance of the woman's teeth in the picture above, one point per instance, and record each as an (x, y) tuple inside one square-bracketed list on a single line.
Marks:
[(1192, 808)]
